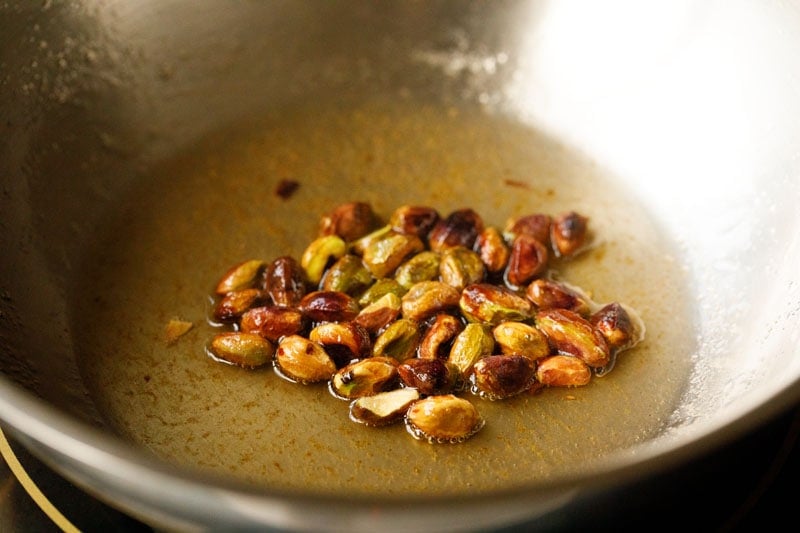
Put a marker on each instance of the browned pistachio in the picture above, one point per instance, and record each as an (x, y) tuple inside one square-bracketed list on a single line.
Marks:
[(423, 266), (364, 378), (444, 418), (469, 346), (399, 340), (383, 408), (437, 340), (285, 281), (459, 228), (383, 256), (563, 371), (617, 325), (492, 304), (240, 276), (571, 334), (344, 341), (319, 254), (359, 246), (349, 221), (536, 225), (428, 298), (242, 349), (501, 376), (528, 260), (414, 220), (235, 303), (273, 323), (380, 288), (429, 376), (460, 267), (493, 250), (549, 294), (380, 313), (301, 360), (518, 338), (568, 233), (348, 274), (329, 306)]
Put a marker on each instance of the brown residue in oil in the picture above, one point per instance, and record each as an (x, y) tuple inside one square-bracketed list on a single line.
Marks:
[(286, 188)]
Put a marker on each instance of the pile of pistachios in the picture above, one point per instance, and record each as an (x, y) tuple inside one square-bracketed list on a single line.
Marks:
[(405, 320)]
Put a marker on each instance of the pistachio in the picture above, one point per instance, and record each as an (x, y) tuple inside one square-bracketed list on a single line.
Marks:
[(443, 418), (380, 313), (383, 408), (570, 334), (414, 220), (359, 246), (491, 304), (536, 225), (528, 259), (568, 233), (329, 306), (384, 255), (426, 298), (240, 276), (285, 281), (344, 341), (563, 371), (379, 289), (235, 303), (473, 343), (621, 327), (497, 377), (273, 323), (549, 294), (242, 349), (348, 274), (460, 267), (304, 361), (318, 255), (459, 228), (349, 221), (424, 266), (493, 250), (429, 376), (518, 338), (398, 340), (438, 338), (364, 378)]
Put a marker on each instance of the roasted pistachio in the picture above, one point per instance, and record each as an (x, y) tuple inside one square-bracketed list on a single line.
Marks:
[(383, 256), (426, 298), (429, 376), (348, 274), (460, 267), (414, 220), (383, 408), (423, 266), (231, 306), (273, 323), (329, 306), (519, 338), (380, 313), (359, 246), (379, 289), (444, 418), (536, 225), (319, 254), (437, 340), (528, 259), (240, 276), (242, 349), (304, 361), (285, 281), (364, 378), (563, 371), (549, 294), (568, 233), (344, 341), (459, 228), (570, 334), (493, 250), (399, 340), (349, 221), (501, 376), (473, 343), (621, 327), (492, 304)]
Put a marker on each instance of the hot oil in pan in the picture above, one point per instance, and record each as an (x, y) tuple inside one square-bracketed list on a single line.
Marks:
[(217, 205)]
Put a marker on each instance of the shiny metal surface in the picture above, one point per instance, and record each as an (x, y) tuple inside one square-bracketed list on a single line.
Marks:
[(692, 105)]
